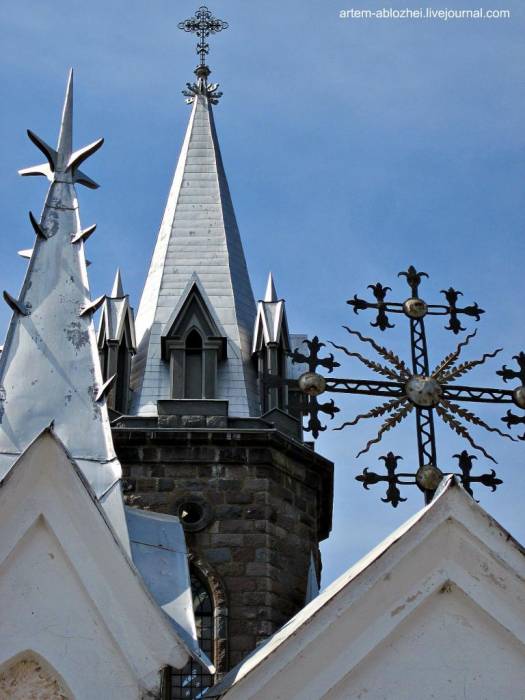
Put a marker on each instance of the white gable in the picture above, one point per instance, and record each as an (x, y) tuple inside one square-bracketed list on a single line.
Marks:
[(70, 594), (436, 611), (448, 647)]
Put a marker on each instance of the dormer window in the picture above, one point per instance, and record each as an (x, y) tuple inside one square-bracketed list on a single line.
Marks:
[(194, 347)]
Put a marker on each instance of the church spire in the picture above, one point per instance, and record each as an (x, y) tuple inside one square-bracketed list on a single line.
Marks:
[(198, 251), (49, 369)]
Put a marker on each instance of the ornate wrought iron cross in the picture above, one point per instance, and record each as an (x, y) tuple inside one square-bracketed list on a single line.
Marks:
[(416, 389), (203, 23)]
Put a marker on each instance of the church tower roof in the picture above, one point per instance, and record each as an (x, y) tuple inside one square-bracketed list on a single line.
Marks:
[(118, 289), (271, 324), (271, 292), (49, 369), (116, 317), (198, 238)]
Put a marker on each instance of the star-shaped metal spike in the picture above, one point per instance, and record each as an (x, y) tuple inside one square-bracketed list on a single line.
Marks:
[(62, 163)]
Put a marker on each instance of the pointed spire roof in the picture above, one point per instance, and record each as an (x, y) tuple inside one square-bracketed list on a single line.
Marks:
[(118, 290), (117, 317), (270, 294), (49, 370), (271, 324), (62, 163), (198, 235)]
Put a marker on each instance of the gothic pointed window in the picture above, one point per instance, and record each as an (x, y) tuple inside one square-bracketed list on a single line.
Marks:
[(193, 366), (193, 681)]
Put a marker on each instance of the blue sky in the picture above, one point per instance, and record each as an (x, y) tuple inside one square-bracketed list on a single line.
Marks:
[(353, 148)]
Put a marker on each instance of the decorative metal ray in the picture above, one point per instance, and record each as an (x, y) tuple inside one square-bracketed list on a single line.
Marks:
[(413, 390)]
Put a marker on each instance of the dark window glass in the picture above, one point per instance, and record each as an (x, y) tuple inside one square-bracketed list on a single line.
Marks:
[(193, 681), (121, 399), (193, 369)]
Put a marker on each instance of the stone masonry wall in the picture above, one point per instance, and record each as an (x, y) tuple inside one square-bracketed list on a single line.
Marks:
[(264, 511)]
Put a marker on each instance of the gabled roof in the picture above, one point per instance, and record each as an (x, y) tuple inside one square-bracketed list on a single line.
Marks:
[(271, 324), (70, 593), (198, 235), (354, 635), (116, 317), (49, 369), (194, 309)]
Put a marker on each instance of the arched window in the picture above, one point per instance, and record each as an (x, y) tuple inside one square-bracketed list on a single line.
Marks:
[(193, 681), (193, 384)]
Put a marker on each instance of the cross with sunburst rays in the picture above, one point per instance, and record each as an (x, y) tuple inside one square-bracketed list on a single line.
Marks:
[(417, 389)]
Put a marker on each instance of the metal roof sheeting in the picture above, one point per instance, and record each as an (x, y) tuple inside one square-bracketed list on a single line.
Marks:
[(198, 235)]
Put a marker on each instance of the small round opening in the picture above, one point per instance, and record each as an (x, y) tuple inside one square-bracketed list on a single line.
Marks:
[(191, 513)]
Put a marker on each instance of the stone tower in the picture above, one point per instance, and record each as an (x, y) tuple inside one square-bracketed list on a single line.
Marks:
[(206, 436)]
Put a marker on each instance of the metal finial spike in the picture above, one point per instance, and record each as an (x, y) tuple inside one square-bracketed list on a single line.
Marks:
[(83, 179), (15, 305), (62, 164), (25, 253), (91, 307), (118, 290), (84, 234), (78, 157), (45, 169), (65, 136), (271, 293), (105, 389), (44, 148), (36, 227)]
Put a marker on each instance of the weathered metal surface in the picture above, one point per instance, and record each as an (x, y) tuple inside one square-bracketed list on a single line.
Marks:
[(49, 370), (164, 536), (417, 389), (159, 552)]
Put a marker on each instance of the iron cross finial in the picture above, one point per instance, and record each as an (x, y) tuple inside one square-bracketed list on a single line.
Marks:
[(417, 389), (203, 23)]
